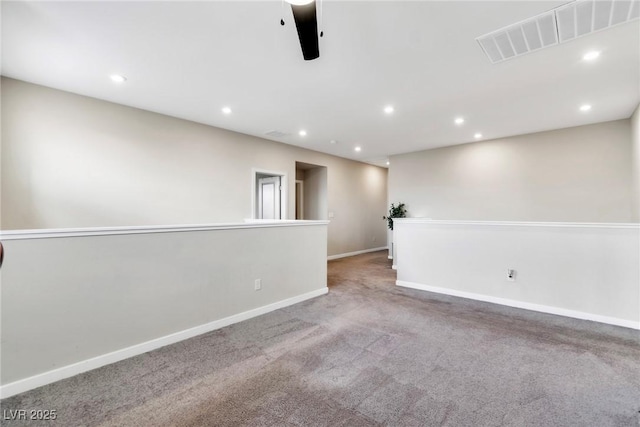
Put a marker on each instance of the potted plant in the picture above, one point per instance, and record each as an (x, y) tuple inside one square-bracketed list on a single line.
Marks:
[(394, 212)]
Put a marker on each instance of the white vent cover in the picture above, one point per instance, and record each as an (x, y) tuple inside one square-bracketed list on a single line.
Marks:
[(276, 134), (520, 38), (559, 25), (587, 16)]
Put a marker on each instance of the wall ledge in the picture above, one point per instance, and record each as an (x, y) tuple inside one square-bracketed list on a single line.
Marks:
[(145, 229), (401, 221)]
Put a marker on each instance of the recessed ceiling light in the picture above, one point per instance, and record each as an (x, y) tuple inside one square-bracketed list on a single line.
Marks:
[(333, 141), (302, 133), (388, 163), (585, 107), (117, 78), (590, 56), (388, 109), (477, 135), (358, 149), (226, 110), (459, 120)]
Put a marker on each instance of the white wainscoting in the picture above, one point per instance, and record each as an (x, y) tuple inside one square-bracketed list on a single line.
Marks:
[(75, 300), (581, 270)]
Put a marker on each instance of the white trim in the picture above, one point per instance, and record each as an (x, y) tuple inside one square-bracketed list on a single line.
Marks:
[(348, 254), (394, 267), (524, 305), (389, 257), (517, 223), (58, 374), (110, 231), (284, 183)]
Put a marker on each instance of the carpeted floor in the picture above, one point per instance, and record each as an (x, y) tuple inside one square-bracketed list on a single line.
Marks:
[(368, 353)]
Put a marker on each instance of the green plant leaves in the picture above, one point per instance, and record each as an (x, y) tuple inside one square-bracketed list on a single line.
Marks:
[(395, 212)]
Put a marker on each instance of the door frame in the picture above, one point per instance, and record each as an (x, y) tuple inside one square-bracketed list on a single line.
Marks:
[(284, 192)]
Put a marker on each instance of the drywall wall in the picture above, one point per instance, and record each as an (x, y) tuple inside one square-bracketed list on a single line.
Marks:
[(580, 174), (588, 271), (315, 194), (70, 298), (635, 164), (74, 161)]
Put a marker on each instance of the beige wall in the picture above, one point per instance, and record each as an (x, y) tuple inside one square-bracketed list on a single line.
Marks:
[(580, 174), (635, 159), (74, 161)]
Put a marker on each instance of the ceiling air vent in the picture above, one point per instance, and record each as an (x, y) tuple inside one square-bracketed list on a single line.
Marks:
[(587, 16), (276, 134), (559, 25), (523, 37)]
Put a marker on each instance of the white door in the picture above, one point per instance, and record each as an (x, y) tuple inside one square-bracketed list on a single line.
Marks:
[(269, 198)]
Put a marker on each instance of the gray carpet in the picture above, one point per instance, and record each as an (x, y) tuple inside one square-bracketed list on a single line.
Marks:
[(368, 353)]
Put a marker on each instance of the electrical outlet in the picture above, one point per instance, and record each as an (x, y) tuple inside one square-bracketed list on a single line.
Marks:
[(258, 284), (511, 275), (373, 239)]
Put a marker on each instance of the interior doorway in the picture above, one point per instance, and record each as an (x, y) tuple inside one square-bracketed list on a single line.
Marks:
[(269, 195), (311, 200)]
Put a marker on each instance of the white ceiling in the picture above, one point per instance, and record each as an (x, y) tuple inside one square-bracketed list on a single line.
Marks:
[(189, 59)]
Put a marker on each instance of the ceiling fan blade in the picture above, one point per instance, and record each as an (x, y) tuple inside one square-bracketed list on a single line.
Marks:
[(307, 25)]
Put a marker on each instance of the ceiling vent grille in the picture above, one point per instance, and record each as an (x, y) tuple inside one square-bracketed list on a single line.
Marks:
[(520, 38), (587, 16), (276, 134), (556, 26)]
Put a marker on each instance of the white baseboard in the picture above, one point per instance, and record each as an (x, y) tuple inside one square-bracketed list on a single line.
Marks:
[(394, 267), (58, 374), (524, 305), (365, 251)]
